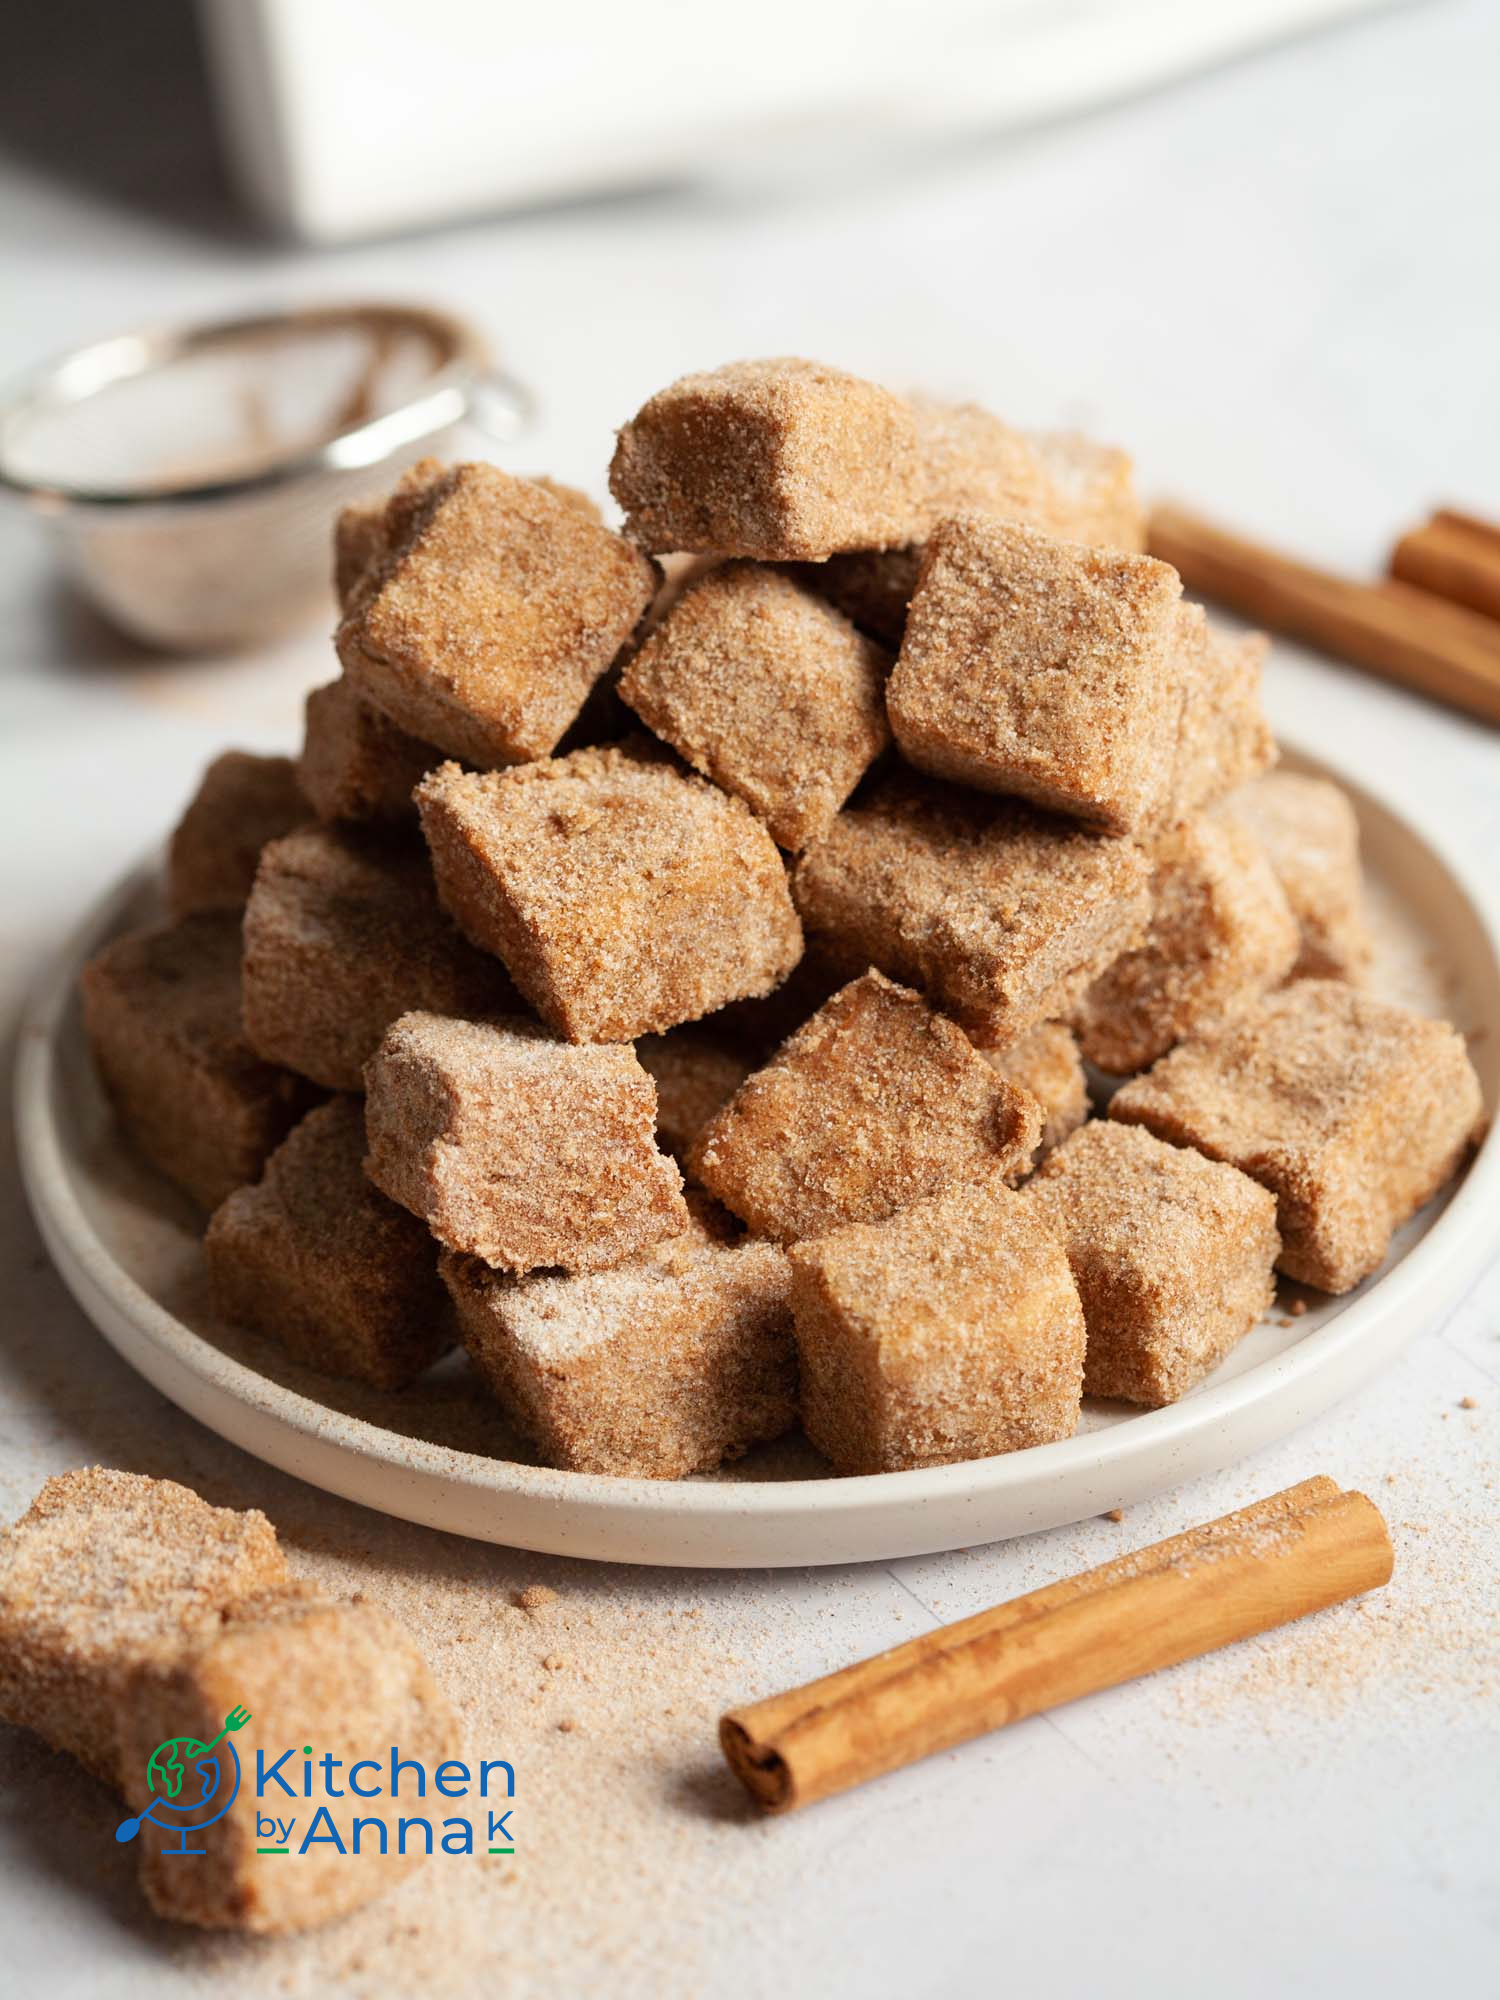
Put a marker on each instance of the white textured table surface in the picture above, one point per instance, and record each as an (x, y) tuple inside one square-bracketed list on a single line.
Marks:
[(1280, 286)]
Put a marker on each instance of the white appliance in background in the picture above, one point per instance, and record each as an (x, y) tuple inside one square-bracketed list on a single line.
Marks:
[(347, 117)]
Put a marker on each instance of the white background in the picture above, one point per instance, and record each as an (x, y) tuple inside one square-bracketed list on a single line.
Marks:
[(1278, 284)]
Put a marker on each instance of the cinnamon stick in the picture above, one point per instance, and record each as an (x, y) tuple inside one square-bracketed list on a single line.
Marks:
[(1455, 556), (1296, 1552), (1408, 635)]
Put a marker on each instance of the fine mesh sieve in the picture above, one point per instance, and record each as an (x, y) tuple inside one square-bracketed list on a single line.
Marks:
[(190, 475)]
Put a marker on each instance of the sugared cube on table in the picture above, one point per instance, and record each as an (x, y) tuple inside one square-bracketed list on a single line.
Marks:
[(106, 1573)]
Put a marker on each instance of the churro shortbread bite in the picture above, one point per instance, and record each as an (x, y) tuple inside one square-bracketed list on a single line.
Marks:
[(343, 933), (355, 763), (1223, 738), (1352, 1111), (1093, 497), (623, 895), (347, 1681), (1172, 1254), (1003, 915), (242, 803), (769, 691), (316, 1258), (1046, 1062), (492, 613), (517, 1147), (783, 460), (106, 1573), (951, 1331), (696, 1071), (875, 1103), (1308, 828), (162, 1009), (1042, 669), (663, 1366), (1221, 932)]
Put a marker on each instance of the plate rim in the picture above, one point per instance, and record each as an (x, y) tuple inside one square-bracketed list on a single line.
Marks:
[(1437, 1268)]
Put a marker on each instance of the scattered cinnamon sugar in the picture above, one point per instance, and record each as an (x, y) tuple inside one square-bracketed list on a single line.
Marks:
[(534, 1598)]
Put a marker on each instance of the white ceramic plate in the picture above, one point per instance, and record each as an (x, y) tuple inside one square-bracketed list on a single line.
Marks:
[(439, 1453)]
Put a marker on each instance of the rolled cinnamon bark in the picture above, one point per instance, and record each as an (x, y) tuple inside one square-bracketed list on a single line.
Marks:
[(1296, 1552), (1456, 556), (1407, 635)]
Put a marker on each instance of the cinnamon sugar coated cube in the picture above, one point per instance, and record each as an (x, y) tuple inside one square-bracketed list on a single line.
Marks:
[(162, 1009), (1045, 1062), (1353, 1112), (951, 1331), (872, 587), (875, 1103), (106, 1572), (344, 1679), (783, 460), (1223, 738), (343, 933), (1172, 1255), (1092, 497), (623, 896), (517, 1147), (359, 542), (242, 803), (695, 1072), (764, 688), (1041, 669), (494, 610), (1004, 916), (664, 1366), (971, 462), (355, 763), (318, 1260), (1308, 829), (1221, 932)]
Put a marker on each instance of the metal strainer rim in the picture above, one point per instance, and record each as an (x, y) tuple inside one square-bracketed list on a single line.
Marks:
[(74, 377)]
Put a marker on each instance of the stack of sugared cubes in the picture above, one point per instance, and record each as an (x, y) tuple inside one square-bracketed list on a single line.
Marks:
[(669, 967)]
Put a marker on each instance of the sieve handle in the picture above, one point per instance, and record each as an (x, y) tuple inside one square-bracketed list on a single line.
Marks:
[(501, 405)]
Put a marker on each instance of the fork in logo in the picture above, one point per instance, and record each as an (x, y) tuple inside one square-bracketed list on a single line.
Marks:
[(236, 1719)]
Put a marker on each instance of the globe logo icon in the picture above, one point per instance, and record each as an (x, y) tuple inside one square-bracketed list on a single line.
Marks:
[(193, 1783)]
